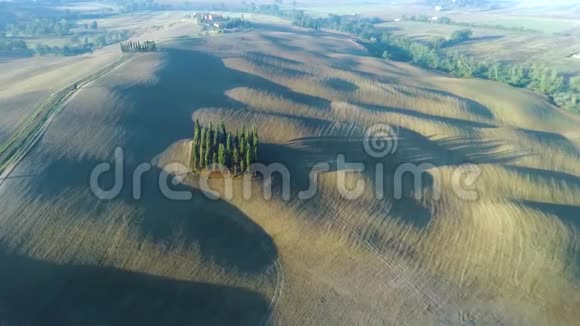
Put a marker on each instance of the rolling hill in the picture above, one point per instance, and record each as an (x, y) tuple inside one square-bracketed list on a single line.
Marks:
[(508, 256)]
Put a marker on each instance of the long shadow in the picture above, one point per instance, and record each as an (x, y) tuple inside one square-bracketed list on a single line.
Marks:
[(34, 292), (569, 215), (279, 70), (158, 115), (345, 63), (482, 38), (460, 150), (281, 43), (221, 231), (266, 57), (453, 121), (554, 138), (161, 113), (341, 85), (474, 106), (543, 174), (301, 155)]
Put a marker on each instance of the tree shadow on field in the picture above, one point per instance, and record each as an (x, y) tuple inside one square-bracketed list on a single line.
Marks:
[(157, 115), (482, 38), (473, 106), (409, 169), (426, 116), (161, 113), (35, 292), (570, 216), (538, 174), (341, 85), (281, 42), (301, 155), (258, 56), (221, 231)]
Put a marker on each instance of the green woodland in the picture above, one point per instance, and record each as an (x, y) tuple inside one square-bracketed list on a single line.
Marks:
[(438, 54), (563, 91), (235, 151)]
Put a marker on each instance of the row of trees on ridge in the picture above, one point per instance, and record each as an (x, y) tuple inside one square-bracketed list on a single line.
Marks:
[(132, 46)]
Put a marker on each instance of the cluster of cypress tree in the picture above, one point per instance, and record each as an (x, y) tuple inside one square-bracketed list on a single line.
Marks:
[(130, 46), (214, 144)]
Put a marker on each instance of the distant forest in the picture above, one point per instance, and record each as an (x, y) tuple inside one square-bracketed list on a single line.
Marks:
[(24, 34), (564, 91), (81, 38)]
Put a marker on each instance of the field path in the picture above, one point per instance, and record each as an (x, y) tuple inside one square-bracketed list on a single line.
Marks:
[(32, 129), (280, 283)]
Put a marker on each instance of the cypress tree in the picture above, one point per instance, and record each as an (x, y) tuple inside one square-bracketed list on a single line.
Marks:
[(228, 144), (201, 157), (255, 146), (248, 157), (208, 151), (236, 159), (216, 136), (214, 158), (207, 158), (194, 154), (223, 132), (242, 144), (202, 147), (196, 131), (222, 155), (242, 166)]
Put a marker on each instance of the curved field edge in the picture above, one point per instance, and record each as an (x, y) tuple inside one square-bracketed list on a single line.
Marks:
[(32, 129)]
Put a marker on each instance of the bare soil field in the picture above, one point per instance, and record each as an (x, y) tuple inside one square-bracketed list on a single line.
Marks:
[(27, 82), (508, 256)]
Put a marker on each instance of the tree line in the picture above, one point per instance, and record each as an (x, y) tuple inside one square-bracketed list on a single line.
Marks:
[(10, 45), (215, 145), (74, 46), (561, 90), (231, 23), (448, 21), (41, 27), (79, 42), (132, 46)]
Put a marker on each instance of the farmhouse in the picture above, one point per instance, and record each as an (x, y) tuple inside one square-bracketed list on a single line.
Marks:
[(208, 17)]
